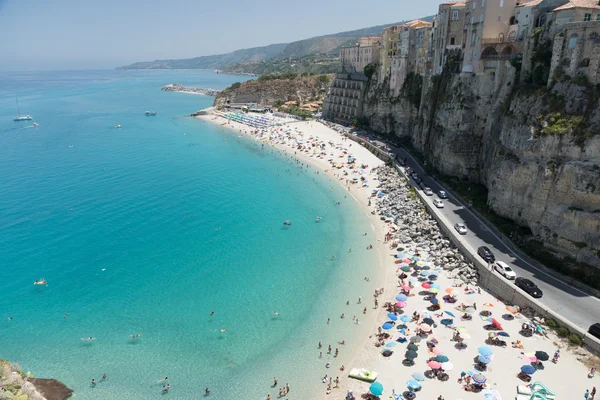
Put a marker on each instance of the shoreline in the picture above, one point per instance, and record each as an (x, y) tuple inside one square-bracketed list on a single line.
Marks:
[(382, 276)]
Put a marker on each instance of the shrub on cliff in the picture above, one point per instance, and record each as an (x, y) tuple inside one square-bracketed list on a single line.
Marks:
[(369, 70), (324, 79), (235, 85)]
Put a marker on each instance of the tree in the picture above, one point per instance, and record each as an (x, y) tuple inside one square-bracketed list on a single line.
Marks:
[(324, 79), (369, 70), (235, 85)]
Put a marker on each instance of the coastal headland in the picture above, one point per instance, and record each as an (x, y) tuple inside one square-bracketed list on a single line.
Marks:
[(175, 87)]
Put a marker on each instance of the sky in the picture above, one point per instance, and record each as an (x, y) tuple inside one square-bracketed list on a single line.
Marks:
[(98, 34)]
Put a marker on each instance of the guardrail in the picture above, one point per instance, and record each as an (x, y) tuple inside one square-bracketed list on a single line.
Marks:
[(490, 281)]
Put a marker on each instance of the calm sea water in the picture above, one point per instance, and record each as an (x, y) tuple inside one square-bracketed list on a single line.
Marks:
[(123, 223)]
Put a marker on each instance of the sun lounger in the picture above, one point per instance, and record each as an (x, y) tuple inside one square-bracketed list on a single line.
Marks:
[(363, 374)]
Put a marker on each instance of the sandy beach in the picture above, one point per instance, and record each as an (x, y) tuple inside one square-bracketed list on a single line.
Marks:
[(568, 378)]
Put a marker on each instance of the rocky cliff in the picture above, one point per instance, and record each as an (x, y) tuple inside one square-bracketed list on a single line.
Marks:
[(536, 150), (268, 91)]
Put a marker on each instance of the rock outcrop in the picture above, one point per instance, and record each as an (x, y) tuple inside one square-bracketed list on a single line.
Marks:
[(175, 87), (536, 150)]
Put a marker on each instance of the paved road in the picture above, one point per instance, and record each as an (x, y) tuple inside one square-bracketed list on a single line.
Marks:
[(579, 307)]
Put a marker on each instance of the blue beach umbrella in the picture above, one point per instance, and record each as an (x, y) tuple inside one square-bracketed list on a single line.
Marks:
[(424, 273), (527, 369), (447, 322), (401, 297), (435, 286), (434, 301), (450, 314), (485, 351), (484, 359), (400, 255), (419, 376), (376, 388), (428, 321), (478, 379), (426, 267), (405, 318), (502, 334), (432, 277), (415, 258), (442, 358), (391, 344), (387, 326), (392, 316), (413, 384)]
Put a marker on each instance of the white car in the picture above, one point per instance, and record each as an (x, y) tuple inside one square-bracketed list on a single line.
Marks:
[(438, 203), (460, 228), (504, 270), (428, 191)]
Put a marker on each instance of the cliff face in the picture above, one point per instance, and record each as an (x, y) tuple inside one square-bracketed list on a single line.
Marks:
[(301, 89), (536, 151)]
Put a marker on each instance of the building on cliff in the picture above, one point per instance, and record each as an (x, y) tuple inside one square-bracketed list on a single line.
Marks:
[(366, 51), (576, 44), (448, 33), (343, 102)]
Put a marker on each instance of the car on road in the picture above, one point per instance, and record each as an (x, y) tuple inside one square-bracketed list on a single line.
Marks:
[(529, 287), (486, 254), (460, 228), (438, 203), (422, 184), (416, 178), (442, 194), (427, 190), (595, 330), (504, 270)]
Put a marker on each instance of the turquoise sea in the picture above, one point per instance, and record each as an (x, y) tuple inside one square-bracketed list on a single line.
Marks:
[(148, 228)]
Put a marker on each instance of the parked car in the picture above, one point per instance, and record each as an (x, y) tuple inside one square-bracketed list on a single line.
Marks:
[(529, 287), (438, 203), (427, 190), (595, 330), (460, 228), (504, 270), (422, 184), (442, 194), (486, 254)]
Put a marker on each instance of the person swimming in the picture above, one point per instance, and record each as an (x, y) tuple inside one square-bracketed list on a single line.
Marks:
[(137, 335), (88, 339), (223, 330), (163, 380), (275, 313)]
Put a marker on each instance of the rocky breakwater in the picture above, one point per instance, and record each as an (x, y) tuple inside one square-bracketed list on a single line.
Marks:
[(417, 229), (16, 384), (175, 87)]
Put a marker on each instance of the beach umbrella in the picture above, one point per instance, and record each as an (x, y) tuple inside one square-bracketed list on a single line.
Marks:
[(529, 357), (399, 248), (405, 318), (426, 267), (401, 327), (392, 316), (433, 278), (437, 351), (419, 376), (495, 322), (426, 285), (413, 384), (502, 334), (485, 351), (434, 290), (542, 355), (449, 290), (376, 388), (435, 285), (470, 310), (406, 261), (434, 301), (447, 366), (401, 297), (450, 314), (387, 326), (406, 288), (415, 258), (527, 369), (433, 341), (442, 359), (411, 355), (447, 322), (412, 346), (488, 304), (428, 321), (425, 327), (513, 309), (484, 359), (461, 329), (478, 378), (434, 364), (417, 267), (424, 273), (415, 339), (405, 268), (401, 304), (391, 344)]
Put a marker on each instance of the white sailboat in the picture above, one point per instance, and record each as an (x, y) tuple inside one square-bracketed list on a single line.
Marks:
[(20, 117)]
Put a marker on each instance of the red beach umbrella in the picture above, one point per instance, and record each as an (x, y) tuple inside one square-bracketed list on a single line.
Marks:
[(406, 287), (426, 285), (496, 324), (401, 304), (434, 364)]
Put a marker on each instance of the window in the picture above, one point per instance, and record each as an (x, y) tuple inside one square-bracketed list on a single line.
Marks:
[(481, 18), (451, 41), (473, 35), (501, 3), (455, 15), (482, 3), (474, 5), (499, 18), (573, 41), (587, 17), (472, 20)]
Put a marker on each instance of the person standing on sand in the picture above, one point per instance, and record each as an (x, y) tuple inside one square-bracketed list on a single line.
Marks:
[(593, 394), (586, 396)]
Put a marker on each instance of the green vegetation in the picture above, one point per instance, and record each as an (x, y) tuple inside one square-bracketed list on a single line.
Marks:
[(562, 332), (541, 58), (550, 323), (413, 86), (307, 65), (575, 340), (235, 85), (287, 75), (297, 111), (560, 124), (324, 79), (369, 70)]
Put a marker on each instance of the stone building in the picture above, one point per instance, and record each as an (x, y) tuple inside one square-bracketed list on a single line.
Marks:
[(344, 100), (390, 40), (576, 45), (355, 58), (447, 36)]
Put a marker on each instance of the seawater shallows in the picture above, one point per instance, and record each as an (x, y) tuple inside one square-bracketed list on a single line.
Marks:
[(150, 227)]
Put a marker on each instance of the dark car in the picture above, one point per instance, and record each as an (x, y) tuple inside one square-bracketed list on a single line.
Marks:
[(486, 254), (595, 330), (529, 287)]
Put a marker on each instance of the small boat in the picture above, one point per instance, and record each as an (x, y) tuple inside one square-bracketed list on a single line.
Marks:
[(287, 223), (117, 126), (318, 218), (150, 113), (41, 282), (20, 117)]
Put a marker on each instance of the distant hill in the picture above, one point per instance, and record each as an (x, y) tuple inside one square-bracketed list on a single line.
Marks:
[(327, 44)]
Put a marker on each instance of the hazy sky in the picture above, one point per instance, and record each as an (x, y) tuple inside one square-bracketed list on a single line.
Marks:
[(64, 34)]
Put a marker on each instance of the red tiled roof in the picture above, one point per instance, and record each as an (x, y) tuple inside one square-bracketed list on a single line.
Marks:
[(579, 4), (530, 3)]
